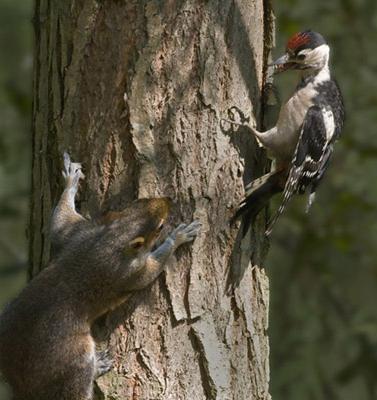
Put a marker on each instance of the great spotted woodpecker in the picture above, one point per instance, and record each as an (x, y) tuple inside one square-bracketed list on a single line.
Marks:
[(301, 143)]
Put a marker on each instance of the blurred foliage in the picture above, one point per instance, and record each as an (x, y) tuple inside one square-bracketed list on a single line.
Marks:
[(323, 266), (15, 143), (16, 39)]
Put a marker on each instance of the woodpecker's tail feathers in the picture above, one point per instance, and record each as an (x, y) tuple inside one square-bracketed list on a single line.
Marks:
[(289, 190), (310, 202), (256, 183), (259, 192)]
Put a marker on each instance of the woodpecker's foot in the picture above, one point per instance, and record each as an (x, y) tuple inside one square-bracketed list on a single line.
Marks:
[(185, 233), (236, 115), (255, 132), (104, 363), (72, 172)]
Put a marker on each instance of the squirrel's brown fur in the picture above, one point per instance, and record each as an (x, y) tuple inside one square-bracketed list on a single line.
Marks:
[(46, 348)]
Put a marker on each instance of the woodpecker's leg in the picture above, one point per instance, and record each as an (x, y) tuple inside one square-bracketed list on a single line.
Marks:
[(156, 260), (265, 139), (65, 216), (236, 117)]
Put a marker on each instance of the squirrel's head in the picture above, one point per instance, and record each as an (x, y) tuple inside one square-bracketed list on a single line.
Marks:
[(140, 223)]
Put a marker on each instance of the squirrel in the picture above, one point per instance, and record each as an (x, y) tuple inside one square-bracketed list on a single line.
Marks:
[(46, 348)]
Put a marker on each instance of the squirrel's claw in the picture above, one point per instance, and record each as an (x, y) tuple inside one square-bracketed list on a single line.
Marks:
[(72, 171), (104, 363), (186, 233)]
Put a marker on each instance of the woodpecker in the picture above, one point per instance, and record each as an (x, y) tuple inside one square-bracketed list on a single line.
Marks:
[(309, 123)]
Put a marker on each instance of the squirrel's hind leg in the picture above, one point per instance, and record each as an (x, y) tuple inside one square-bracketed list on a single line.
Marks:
[(79, 371)]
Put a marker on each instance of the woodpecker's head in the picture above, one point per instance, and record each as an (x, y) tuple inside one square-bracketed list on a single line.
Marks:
[(305, 50)]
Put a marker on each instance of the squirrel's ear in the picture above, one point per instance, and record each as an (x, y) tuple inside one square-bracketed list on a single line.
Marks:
[(137, 243)]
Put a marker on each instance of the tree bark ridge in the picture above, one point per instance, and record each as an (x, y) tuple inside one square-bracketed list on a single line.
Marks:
[(136, 91)]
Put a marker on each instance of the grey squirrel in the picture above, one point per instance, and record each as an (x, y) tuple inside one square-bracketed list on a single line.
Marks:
[(46, 348)]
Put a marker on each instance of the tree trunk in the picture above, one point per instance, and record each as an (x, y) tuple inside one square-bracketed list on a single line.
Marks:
[(135, 90)]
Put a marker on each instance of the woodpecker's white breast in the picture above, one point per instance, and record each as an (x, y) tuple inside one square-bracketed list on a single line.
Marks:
[(290, 120), (292, 115)]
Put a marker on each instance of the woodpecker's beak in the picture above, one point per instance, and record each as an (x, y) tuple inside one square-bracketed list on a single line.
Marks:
[(283, 64)]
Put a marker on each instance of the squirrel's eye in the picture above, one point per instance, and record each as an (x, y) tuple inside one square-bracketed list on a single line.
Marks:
[(159, 228), (137, 242)]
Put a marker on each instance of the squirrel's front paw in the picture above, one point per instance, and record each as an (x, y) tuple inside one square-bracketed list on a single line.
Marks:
[(72, 171), (185, 233)]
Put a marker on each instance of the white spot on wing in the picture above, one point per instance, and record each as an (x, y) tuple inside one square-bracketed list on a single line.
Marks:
[(310, 202), (328, 119)]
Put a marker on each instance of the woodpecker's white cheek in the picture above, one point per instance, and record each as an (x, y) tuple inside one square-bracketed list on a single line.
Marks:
[(318, 57)]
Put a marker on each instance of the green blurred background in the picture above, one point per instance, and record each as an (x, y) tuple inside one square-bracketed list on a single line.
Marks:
[(322, 265), (16, 52)]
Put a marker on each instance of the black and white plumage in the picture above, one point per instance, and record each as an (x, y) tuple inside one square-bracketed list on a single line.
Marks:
[(301, 143)]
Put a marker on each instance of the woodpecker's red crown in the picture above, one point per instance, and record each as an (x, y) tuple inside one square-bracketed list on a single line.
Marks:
[(304, 40)]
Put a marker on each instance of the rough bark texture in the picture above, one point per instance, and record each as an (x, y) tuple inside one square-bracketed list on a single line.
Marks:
[(136, 90)]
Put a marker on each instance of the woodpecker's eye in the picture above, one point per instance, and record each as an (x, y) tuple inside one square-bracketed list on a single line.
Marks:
[(301, 57)]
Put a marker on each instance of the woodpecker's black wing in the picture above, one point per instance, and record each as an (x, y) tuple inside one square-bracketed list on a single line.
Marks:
[(311, 157)]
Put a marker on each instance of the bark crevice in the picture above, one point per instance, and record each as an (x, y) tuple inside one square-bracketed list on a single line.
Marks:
[(136, 90)]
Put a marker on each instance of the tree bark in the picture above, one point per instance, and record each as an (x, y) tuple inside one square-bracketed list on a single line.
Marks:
[(135, 90)]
